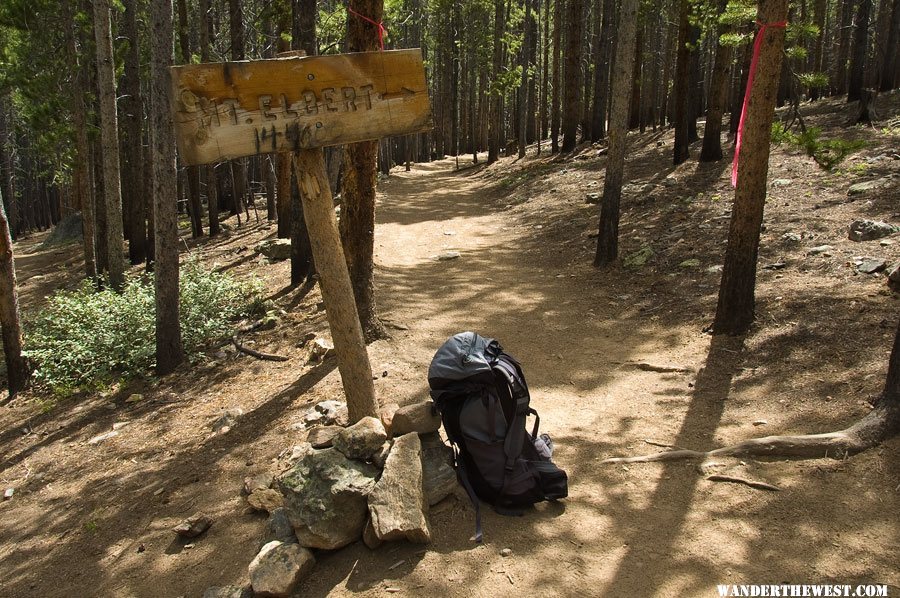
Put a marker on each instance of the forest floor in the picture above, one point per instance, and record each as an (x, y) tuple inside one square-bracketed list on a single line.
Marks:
[(96, 519)]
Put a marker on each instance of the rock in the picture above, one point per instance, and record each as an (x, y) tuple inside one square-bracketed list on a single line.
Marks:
[(593, 198), (275, 249), (638, 258), (278, 527), (447, 256), (193, 526), (871, 266), (380, 458), (101, 437), (8, 493), (869, 230), (397, 503), (228, 592), (417, 417), (135, 398), (781, 182), (322, 436), (387, 416), (257, 482), (226, 421), (319, 349), (894, 277), (860, 188), (361, 440), (819, 249), (266, 500), (691, 263), (278, 568), (325, 498), (369, 538), (335, 412), (791, 237), (506, 552), (438, 477)]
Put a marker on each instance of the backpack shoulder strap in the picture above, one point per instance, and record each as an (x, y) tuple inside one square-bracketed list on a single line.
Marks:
[(515, 435)]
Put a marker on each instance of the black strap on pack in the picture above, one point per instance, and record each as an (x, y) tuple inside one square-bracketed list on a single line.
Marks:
[(515, 435), (463, 478)]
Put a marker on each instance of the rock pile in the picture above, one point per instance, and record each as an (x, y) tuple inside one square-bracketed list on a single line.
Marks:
[(344, 485)]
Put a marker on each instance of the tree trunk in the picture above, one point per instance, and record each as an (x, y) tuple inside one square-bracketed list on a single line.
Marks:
[(496, 96), (16, 367), (608, 240), (892, 51), (682, 110), (302, 264), (572, 90), (601, 68), (545, 77), (192, 173), (821, 7), (845, 27), (110, 141), (169, 351), (634, 119), (132, 163), (860, 47), (557, 81), (734, 312), (358, 206), (238, 168), (524, 87), (718, 90)]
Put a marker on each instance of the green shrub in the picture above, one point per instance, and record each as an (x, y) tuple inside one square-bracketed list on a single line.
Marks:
[(827, 153), (88, 338)]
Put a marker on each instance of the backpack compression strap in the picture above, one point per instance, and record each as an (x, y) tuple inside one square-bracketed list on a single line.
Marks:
[(515, 436)]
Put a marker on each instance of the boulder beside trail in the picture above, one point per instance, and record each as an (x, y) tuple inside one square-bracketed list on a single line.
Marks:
[(325, 498), (362, 440), (278, 568), (397, 503), (417, 418), (869, 230), (438, 476)]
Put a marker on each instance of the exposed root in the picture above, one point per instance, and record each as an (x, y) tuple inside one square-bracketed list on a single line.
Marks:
[(249, 351), (736, 480), (879, 424)]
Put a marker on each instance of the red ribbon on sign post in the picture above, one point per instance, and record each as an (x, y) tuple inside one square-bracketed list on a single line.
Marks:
[(757, 45), (379, 24)]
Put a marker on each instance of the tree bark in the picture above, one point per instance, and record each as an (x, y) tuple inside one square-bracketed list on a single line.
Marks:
[(821, 7), (845, 27), (358, 206), (17, 370), (524, 87), (109, 137), (608, 240), (133, 191), (169, 351), (734, 312), (892, 54), (302, 263), (557, 81), (718, 90), (601, 69), (682, 109), (496, 96), (572, 90), (860, 47), (238, 168), (192, 173)]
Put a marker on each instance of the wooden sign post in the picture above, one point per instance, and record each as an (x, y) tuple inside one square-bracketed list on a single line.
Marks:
[(301, 104)]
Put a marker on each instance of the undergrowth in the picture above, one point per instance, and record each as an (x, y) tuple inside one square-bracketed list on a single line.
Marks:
[(87, 339), (827, 153)]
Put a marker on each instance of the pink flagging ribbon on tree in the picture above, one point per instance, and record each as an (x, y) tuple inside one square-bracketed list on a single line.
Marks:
[(379, 24), (757, 45)]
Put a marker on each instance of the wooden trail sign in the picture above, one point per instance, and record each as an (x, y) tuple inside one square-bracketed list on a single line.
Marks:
[(235, 109)]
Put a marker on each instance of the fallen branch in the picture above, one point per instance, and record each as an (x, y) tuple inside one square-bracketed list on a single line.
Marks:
[(736, 480), (249, 351)]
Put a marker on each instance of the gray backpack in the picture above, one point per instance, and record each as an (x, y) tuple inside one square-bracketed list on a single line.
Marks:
[(483, 399)]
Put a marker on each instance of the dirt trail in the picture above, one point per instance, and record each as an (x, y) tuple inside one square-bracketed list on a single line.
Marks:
[(523, 275)]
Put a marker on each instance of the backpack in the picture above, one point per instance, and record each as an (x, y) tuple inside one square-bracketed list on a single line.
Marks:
[(482, 397)]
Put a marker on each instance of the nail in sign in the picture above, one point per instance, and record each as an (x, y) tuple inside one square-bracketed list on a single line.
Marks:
[(236, 109)]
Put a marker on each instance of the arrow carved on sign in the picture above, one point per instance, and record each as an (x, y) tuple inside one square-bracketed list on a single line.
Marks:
[(404, 92)]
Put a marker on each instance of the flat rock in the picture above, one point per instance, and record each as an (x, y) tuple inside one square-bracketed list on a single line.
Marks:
[(275, 249), (638, 259), (894, 277), (322, 436), (791, 237), (319, 349), (397, 503), (228, 592), (101, 437), (869, 230), (819, 249), (279, 568), (447, 256), (193, 526), (265, 499), (871, 266), (325, 498), (387, 415), (438, 476), (860, 188), (227, 420), (362, 440), (781, 182), (417, 417), (333, 412)]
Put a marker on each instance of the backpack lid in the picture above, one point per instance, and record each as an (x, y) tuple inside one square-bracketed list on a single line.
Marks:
[(462, 357)]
